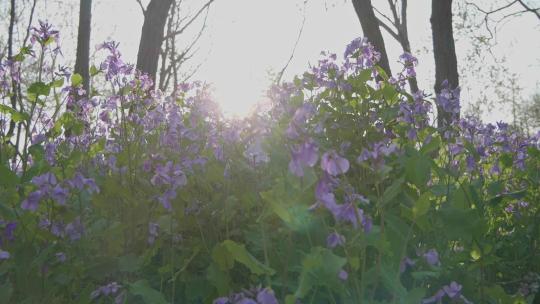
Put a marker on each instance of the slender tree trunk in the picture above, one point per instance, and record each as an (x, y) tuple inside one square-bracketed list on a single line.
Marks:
[(83, 43), (370, 27), (404, 41), (152, 36), (444, 50), (13, 97)]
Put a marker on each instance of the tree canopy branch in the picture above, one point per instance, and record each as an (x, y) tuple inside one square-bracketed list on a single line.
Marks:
[(182, 29)]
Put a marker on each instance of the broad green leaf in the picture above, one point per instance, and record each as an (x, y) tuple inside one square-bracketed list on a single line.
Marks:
[(39, 89), (241, 255), (8, 178), (421, 206), (57, 83), (218, 278), (414, 296), (76, 79), (6, 290), (129, 263), (392, 191), (148, 294), (15, 115), (320, 268), (418, 169), (94, 71), (222, 257)]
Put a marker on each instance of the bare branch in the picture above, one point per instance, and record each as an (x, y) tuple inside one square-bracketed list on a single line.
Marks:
[(280, 75), (394, 12), (142, 7), (385, 17), (403, 28), (492, 11), (487, 14), (535, 11), (388, 29), (27, 35), (181, 30)]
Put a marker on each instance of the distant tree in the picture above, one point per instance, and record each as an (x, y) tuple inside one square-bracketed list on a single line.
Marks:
[(530, 113), (398, 29), (83, 43), (444, 51), (175, 53), (370, 28), (155, 17)]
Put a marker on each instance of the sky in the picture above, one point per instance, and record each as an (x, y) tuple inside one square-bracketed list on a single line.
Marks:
[(247, 40)]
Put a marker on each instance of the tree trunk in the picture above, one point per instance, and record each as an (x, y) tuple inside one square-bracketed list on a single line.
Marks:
[(404, 41), (444, 50), (152, 36), (83, 43), (370, 27), (13, 97)]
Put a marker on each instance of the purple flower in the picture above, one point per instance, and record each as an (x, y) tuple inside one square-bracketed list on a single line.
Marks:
[(165, 198), (44, 181), (367, 224), (32, 201), (453, 289), (60, 195), (106, 290), (246, 301), (79, 182), (435, 298), (4, 255), (61, 257), (9, 229), (153, 232), (523, 204), (305, 154), (44, 33), (343, 275), (335, 239), (266, 296), (75, 229), (349, 213), (405, 263), (432, 257), (471, 163), (334, 164), (222, 300)]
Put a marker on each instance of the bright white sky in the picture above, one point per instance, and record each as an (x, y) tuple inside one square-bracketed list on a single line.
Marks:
[(246, 39)]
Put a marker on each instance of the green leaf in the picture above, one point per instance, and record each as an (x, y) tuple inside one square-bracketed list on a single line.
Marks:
[(57, 83), (241, 255), (8, 178), (6, 290), (222, 258), (129, 263), (320, 268), (218, 278), (94, 71), (39, 89), (16, 116), (76, 79), (148, 294), (433, 145), (414, 296), (392, 192), (421, 206), (418, 169)]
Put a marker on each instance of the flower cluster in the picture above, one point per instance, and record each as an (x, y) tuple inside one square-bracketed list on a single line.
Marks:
[(253, 296), (111, 289)]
